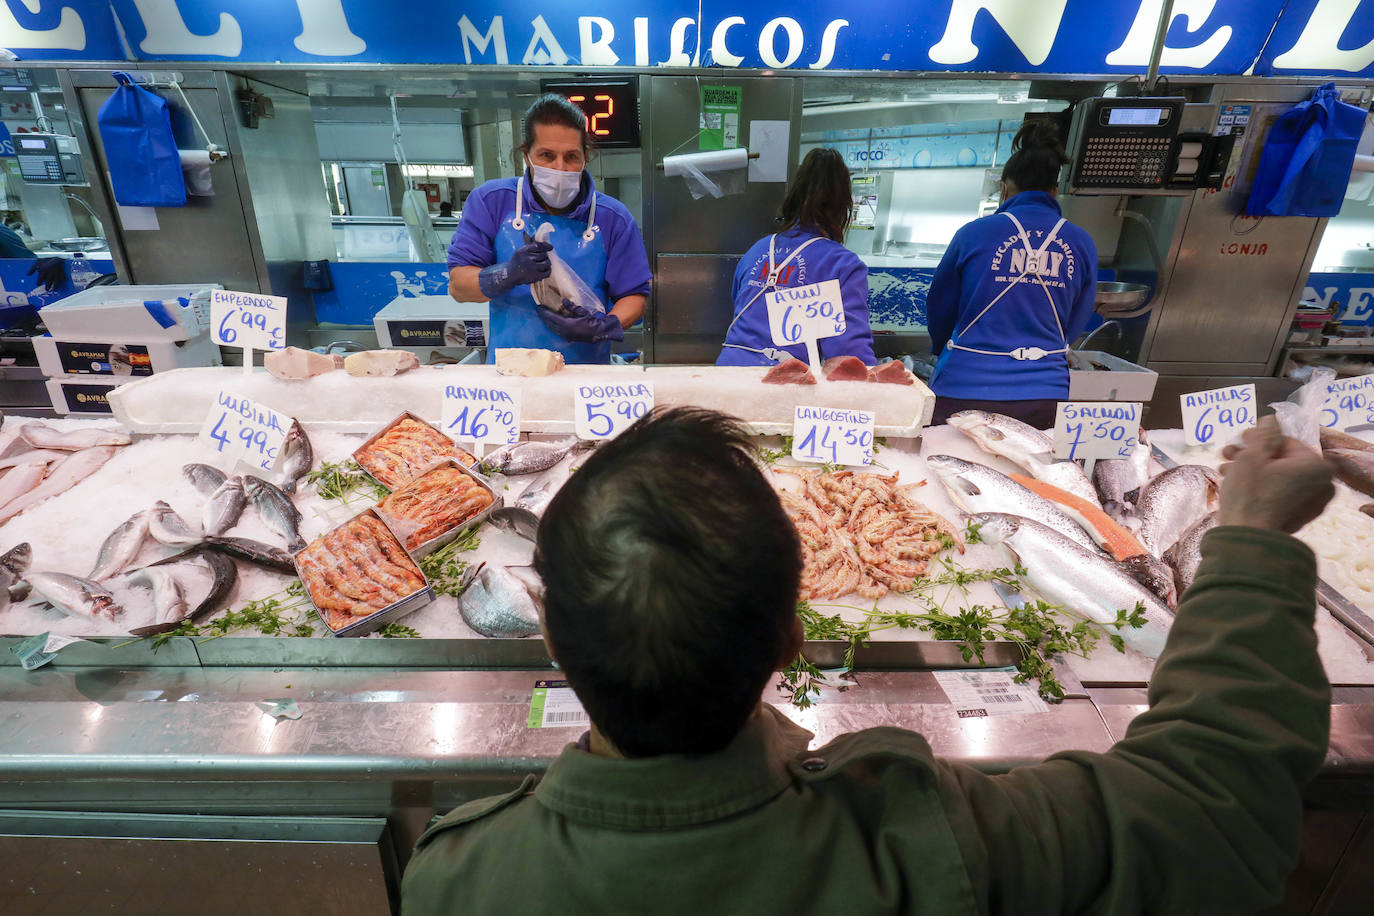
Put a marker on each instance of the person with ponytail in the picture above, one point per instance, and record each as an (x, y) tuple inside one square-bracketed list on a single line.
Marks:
[(808, 248), (1012, 290)]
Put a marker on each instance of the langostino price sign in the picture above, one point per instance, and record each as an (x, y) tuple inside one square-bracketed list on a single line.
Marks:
[(1349, 402), (1218, 415), (481, 415), (241, 429), (1093, 430), (606, 411), (832, 435), (805, 315), (250, 321)]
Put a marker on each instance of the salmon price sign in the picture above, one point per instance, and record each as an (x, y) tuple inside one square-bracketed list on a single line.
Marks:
[(1092, 430)]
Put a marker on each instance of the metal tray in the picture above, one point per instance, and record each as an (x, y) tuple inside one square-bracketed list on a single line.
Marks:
[(428, 547), (375, 621), (384, 430)]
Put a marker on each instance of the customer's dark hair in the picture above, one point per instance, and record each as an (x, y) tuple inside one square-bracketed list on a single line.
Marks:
[(552, 108), (671, 575), (820, 197), (1036, 157)]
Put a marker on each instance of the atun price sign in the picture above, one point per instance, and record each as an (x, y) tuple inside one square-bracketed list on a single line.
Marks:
[(485, 414), (832, 435), (241, 429), (1217, 415), (1106, 429), (606, 411)]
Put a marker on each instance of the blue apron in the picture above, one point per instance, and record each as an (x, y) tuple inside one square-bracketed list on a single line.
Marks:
[(514, 322)]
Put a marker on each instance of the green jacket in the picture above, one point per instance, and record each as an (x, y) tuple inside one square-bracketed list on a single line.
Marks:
[(1196, 810)]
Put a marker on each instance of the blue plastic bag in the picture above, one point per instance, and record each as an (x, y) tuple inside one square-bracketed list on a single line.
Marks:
[(140, 150), (1305, 165)]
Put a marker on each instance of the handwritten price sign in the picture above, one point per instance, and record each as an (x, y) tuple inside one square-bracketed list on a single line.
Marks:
[(832, 435), (805, 315), (1349, 402), (1096, 430), (485, 414), (606, 411), (1217, 415), (248, 320), (241, 429)]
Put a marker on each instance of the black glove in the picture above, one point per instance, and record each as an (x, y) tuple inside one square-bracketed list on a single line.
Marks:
[(527, 264), (578, 324), (52, 272)]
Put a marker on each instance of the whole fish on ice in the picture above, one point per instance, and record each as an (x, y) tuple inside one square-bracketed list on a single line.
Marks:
[(1088, 584), (13, 564), (73, 440), (171, 529), (1174, 502), (975, 487), (33, 456), (1026, 447), (528, 457), (276, 510), (223, 508), (497, 604), (169, 599), (69, 473), (267, 556), (20, 481), (204, 478), (74, 596), (298, 457), (1119, 480), (1186, 555), (121, 546)]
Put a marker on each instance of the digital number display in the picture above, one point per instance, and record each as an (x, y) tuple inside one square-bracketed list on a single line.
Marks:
[(611, 109), (32, 144), (1135, 117)]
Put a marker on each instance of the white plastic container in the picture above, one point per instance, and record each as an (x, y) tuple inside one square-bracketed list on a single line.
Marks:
[(1108, 378), (426, 322), (131, 314), (84, 359), (84, 397)]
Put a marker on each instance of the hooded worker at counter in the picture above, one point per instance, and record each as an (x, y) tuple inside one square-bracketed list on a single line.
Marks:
[(809, 248), (562, 263), (1010, 293)]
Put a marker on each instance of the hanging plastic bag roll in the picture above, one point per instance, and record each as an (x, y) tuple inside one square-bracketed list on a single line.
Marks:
[(195, 167), (694, 168)]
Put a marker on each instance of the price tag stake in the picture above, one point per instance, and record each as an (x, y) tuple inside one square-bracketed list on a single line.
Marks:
[(606, 411), (248, 320), (832, 435), (805, 315), (1084, 430)]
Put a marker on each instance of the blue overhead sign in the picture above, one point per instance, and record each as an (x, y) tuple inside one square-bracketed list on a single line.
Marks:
[(1221, 37)]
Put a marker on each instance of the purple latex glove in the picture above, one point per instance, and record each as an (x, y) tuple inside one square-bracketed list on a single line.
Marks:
[(527, 264), (579, 324)]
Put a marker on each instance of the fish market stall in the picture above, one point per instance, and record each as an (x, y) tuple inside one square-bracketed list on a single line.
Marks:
[(357, 630)]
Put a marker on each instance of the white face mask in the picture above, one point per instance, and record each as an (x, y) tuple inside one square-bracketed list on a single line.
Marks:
[(557, 187)]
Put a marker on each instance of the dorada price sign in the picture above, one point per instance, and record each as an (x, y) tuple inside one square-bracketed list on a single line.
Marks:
[(241, 429), (606, 411), (248, 320), (1349, 402), (804, 315), (1217, 415), (485, 414), (832, 435), (1095, 430)]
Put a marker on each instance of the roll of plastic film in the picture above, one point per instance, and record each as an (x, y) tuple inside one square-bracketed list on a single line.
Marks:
[(725, 160)]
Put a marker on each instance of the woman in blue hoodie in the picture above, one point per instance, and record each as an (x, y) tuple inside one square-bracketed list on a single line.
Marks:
[(1011, 292), (808, 249)]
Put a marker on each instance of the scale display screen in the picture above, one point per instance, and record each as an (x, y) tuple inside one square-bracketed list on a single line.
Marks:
[(611, 108), (1135, 117)]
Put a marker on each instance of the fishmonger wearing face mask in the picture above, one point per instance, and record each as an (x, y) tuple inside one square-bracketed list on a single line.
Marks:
[(502, 245)]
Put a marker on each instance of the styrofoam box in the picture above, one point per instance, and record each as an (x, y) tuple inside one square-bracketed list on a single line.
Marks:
[(1121, 381), (118, 314), (83, 359), (432, 321), (81, 397)]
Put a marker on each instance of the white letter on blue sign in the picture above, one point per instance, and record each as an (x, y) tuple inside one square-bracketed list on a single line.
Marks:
[(1318, 47), (720, 54), (1135, 50), (551, 52), (69, 34), (167, 32), (1030, 26), (325, 31), (596, 51), (496, 35)]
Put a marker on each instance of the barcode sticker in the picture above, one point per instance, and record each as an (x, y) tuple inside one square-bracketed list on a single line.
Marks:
[(554, 705), (984, 692)]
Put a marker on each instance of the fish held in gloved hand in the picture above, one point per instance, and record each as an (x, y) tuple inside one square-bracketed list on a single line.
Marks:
[(75, 596), (497, 604), (562, 285), (121, 546)]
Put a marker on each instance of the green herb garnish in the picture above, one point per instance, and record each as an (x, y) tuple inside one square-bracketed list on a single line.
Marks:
[(345, 482), (445, 569)]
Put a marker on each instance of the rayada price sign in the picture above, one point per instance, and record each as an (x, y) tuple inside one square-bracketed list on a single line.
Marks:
[(1217, 415), (481, 414), (804, 315), (1106, 429), (248, 320), (1349, 402), (241, 429), (606, 411), (832, 435)]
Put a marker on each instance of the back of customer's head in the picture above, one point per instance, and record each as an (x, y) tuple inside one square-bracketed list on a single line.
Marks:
[(1037, 155), (820, 196), (671, 576)]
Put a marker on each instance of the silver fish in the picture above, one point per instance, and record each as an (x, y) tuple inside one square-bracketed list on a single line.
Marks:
[(74, 596), (1083, 583), (1174, 502), (223, 508), (17, 558), (121, 546), (298, 457), (1118, 481), (1154, 574), (276, 510), (169, 598), (224, 575), (264, 555), (1186, 556), (528, 457), (13, 564), (59, 480), (975, 487), (1026, 447), (20, 590), (204, 478), (514, 518), (73, 440), (171, 529), (497, 604)]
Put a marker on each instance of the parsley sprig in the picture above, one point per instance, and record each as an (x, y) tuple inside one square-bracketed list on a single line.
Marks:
[(445, 569), (345, 482), (286, 613)]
